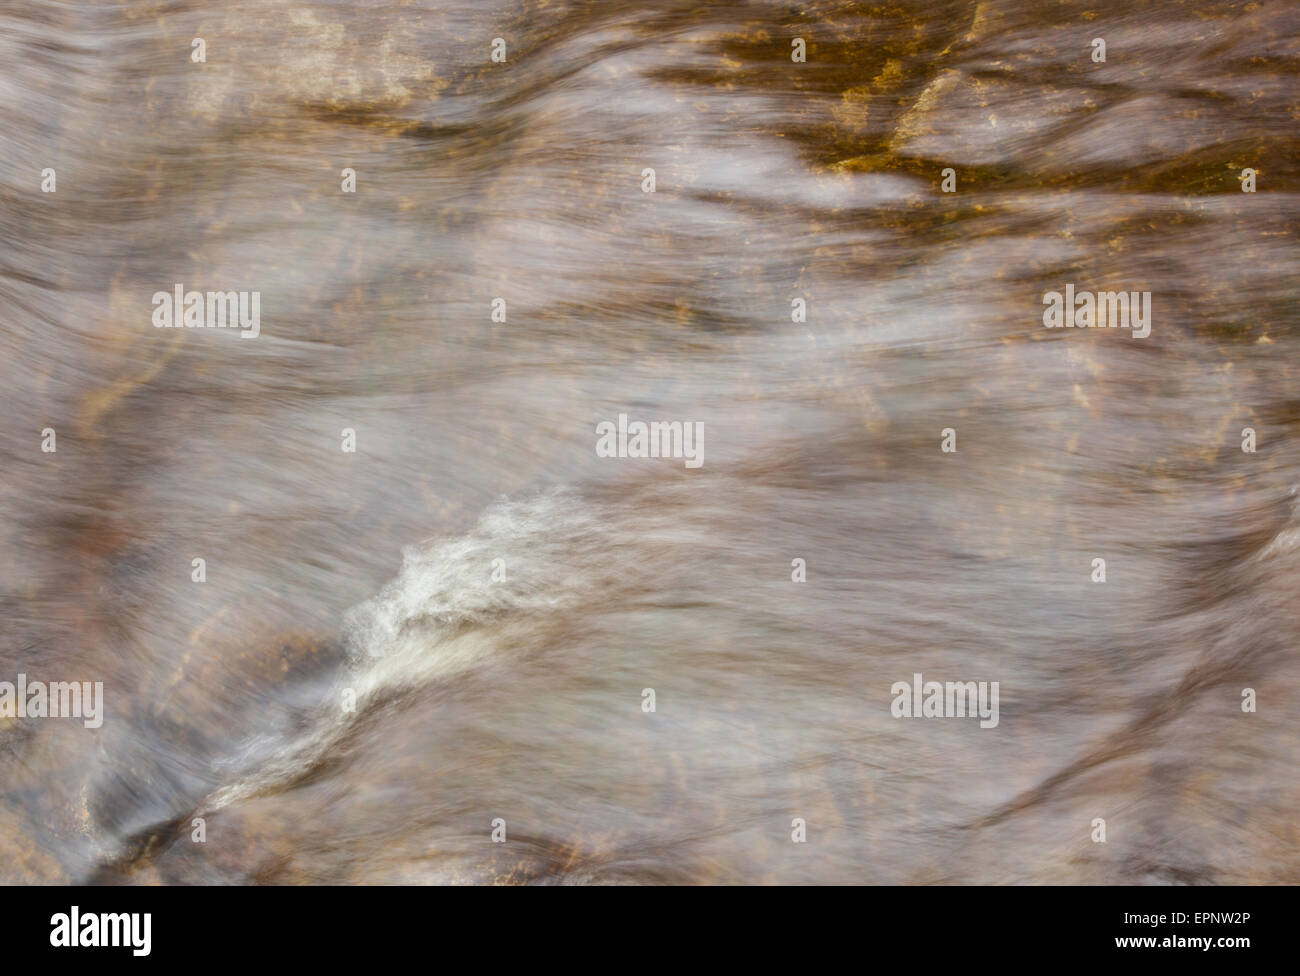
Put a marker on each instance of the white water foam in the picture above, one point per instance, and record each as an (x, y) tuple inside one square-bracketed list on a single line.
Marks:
[(433, 620)]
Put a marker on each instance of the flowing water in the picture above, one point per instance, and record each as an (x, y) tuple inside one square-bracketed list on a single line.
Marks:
[(371, 577)]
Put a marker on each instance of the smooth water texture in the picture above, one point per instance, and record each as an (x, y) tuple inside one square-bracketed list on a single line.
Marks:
[(371, 573)]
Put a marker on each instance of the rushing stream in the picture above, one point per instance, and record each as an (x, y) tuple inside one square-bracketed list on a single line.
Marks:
[(388, 650)]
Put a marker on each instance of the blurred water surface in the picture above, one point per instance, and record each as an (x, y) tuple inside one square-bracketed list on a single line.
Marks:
[(520, 699)]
